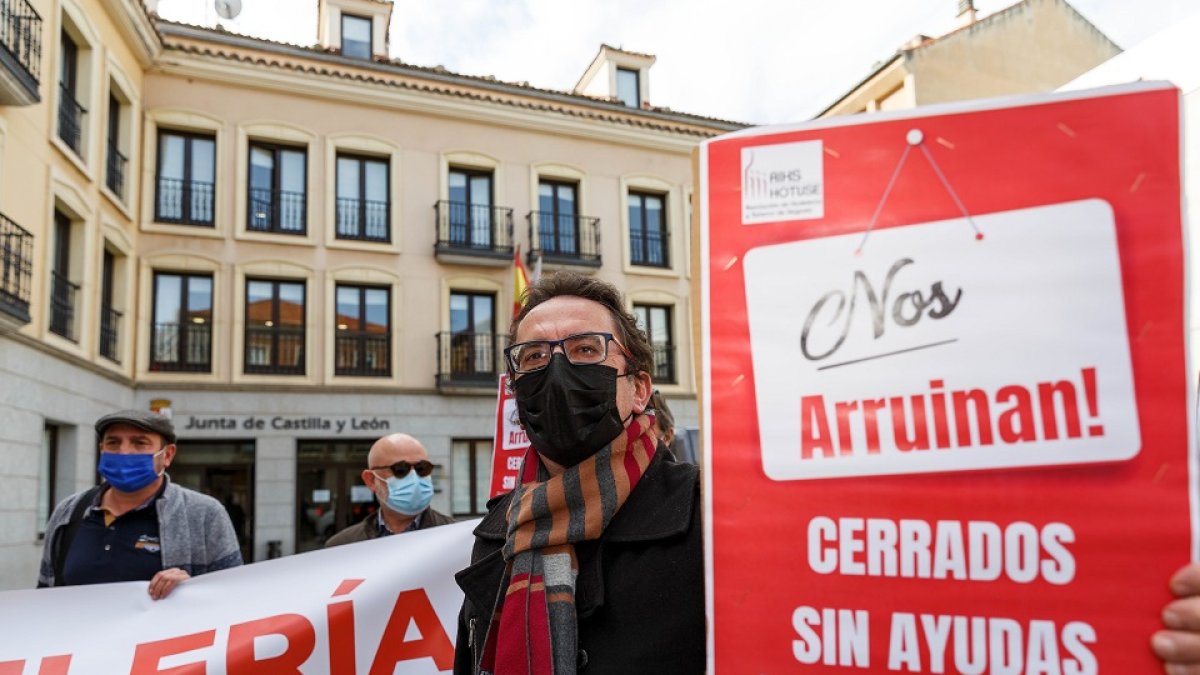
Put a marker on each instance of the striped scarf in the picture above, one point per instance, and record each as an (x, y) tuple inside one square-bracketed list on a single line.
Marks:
[(534, 629)]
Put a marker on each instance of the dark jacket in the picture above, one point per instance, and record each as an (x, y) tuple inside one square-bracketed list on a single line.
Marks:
[(639, 596), (366, 528)]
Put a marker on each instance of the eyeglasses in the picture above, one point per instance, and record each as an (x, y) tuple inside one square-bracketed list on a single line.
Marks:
[(582, 349), (400, 469)]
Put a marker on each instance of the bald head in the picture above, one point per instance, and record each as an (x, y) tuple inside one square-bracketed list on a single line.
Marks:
[(394, 448)]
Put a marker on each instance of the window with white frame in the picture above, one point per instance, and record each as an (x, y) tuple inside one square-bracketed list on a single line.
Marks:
[(356, 36)]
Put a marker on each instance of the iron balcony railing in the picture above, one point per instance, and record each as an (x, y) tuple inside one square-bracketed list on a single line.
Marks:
[(21, 35), (650, 248), (664, 363), (115, 176), (277, 211), (110, 327), (62, 305), (363, 220), (564, 238), (186, 202), (16, 268), (70, 119), (362, 354), (477, 229), (181, 347), (275, 350), (470, 359)]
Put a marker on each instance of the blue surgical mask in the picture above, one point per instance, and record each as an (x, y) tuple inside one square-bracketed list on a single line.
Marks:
[(128, 473), (409, 495)]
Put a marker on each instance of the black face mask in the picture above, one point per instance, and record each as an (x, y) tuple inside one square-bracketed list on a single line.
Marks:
[(569, 411)]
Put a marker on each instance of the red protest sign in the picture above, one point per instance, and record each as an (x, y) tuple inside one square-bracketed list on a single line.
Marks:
[(948, 406), (509, 445)]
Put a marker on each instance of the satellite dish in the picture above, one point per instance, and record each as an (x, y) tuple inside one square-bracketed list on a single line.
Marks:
[(228, 9)]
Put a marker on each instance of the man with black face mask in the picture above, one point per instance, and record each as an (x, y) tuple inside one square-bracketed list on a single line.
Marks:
[(595, 559), (136, 525)]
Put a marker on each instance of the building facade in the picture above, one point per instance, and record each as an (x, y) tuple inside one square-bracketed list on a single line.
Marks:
[(1031, 46), (299, 249)]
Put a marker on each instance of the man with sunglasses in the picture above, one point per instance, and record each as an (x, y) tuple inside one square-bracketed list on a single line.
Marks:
[(400, 474), (595, 559)]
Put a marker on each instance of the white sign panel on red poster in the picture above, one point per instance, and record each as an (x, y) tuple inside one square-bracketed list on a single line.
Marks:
[(510, 442), (389, 605), (948, 385)]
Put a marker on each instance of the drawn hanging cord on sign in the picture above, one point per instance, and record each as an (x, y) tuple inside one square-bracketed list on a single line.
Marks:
[(916, 138)]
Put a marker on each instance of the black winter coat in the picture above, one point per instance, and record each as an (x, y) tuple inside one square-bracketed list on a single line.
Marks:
[(639, 596)]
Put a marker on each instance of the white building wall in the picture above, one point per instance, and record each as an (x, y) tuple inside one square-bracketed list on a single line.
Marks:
[(35, 389)]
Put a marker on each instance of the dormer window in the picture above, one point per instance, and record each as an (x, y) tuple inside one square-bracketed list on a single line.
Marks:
[(618, 75), (628, 87), (356, 36)]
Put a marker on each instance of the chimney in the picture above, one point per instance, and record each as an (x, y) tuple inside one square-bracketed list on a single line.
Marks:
[(966, 13)]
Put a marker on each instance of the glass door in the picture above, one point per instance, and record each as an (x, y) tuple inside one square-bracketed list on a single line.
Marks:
[(330, 494), (223, 470)]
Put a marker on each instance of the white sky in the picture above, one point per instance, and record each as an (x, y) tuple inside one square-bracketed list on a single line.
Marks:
[(757, 61)]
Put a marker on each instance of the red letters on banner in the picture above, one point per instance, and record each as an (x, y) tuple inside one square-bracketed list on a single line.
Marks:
[(412, 608), (149, 654)]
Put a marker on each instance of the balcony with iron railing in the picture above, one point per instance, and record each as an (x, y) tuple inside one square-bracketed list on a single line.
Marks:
[(664, 364), (362, 354), (16, 272), (110, 327), (469, 361), (114, 177), (473, 234), (650, 248), (280, 211), (70, 120), (62, 305), (564, 239), (363, 220), (20, 53), (275, 350), (184, 202), (181, 347)]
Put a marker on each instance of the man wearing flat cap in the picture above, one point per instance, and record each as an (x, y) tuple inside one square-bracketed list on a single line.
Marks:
[(136, 525)]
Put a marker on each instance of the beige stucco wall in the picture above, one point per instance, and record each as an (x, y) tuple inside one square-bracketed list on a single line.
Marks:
[(37, 169), (420, 145), (1036, 45)]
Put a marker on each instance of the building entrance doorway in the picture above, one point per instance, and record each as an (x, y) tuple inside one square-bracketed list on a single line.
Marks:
[(223, 470), (330, 492)]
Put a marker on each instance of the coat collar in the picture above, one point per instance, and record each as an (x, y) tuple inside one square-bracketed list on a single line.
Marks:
[(659, 507)]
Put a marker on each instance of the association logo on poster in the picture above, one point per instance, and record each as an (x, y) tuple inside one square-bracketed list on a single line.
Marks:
[(783, 182)]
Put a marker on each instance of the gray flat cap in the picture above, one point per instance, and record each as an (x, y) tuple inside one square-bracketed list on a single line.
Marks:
[(142, 419)]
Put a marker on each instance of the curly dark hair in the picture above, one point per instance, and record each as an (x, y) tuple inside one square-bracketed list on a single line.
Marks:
[(590, 288)]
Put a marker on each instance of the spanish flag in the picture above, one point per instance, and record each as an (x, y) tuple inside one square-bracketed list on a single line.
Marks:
[(520, 281)]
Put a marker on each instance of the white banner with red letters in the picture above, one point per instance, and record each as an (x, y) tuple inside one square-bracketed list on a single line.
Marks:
[(387, 605), (947, 394)]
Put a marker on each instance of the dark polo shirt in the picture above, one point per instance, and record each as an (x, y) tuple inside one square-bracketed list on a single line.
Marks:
[(108, 549)]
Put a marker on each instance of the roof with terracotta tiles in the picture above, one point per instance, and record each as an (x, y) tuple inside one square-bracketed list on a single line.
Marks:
[(221, 44)]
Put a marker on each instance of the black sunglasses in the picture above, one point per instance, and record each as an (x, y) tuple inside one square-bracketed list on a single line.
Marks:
[(400, 469)]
